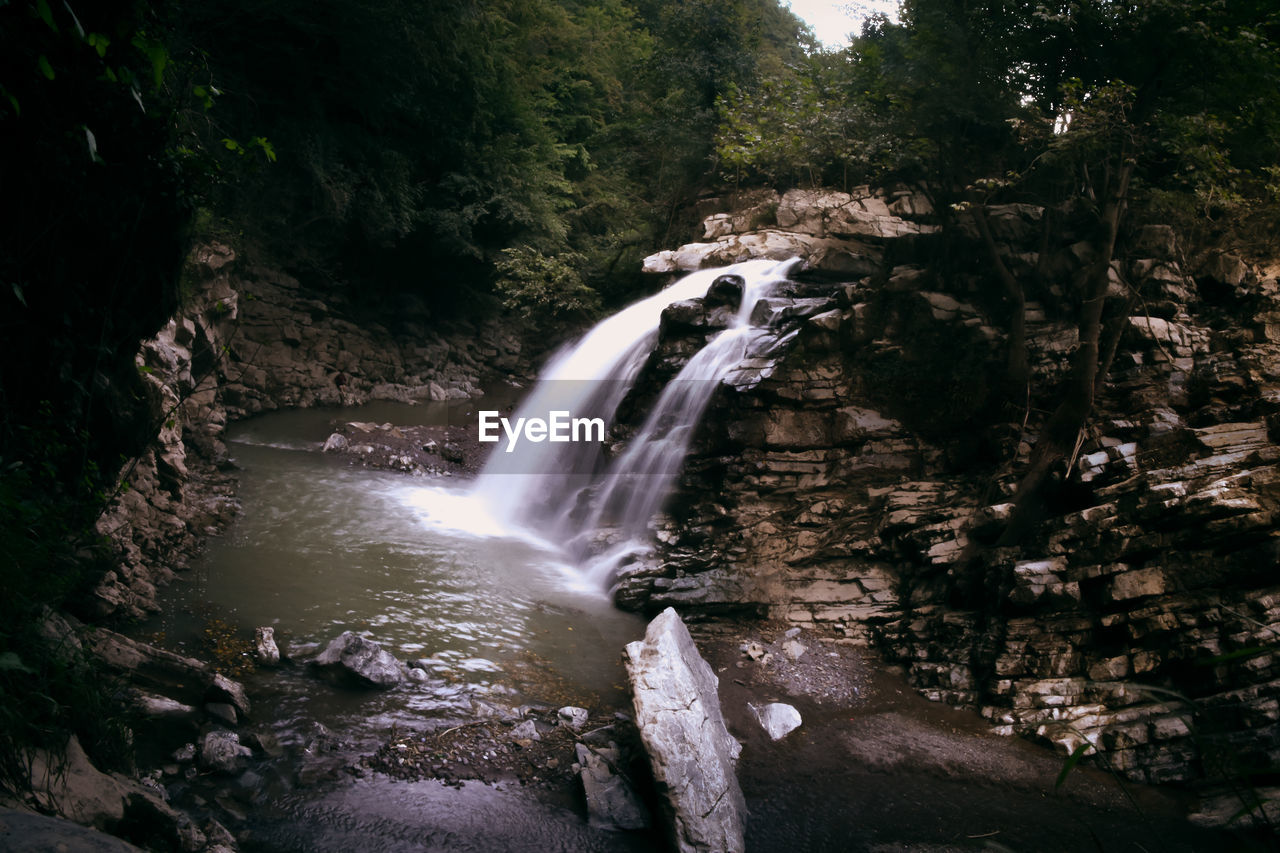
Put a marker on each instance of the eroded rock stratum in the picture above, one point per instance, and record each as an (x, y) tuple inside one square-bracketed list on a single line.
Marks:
[(858, 477)]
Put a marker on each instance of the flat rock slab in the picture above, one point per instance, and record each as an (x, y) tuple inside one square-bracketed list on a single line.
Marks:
[(677, 710), (25, 832)]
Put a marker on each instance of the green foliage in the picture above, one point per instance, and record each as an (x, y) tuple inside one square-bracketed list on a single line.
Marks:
[(798, 127), (545, 288)]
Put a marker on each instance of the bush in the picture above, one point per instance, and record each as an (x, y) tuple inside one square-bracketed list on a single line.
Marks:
[(548, 288)]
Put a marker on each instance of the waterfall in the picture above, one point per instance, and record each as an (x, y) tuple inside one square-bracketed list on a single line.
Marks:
[(565, 492)]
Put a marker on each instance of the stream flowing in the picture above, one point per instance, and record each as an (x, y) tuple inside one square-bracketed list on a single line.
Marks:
[(322, 547), (570, 491), (492, 587)]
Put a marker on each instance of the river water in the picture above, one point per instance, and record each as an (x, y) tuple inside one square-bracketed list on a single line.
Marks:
[(322, 547)]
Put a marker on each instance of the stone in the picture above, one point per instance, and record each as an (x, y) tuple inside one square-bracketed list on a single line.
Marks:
[(27, 832), (60, 631), (1139, 583), (526, 730), (725, 290), (224, 712), (335, 442), (353, 660), (263, 743), (144, 662), (777, 719), (223, 689), (71, 786), (162, 708), (573, 717), (692, 754), (264, 646), (222, 752), (612, 803), (794, 649)]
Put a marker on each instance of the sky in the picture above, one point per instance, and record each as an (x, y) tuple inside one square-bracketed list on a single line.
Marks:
[(833, 21)]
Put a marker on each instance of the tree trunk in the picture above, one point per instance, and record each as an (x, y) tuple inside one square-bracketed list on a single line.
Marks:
[(1059, 436)]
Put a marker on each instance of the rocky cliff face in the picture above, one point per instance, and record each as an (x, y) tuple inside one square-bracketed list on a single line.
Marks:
[(841, 485), (249, 340)]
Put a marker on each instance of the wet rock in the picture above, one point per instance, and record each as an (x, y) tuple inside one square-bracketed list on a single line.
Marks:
[(527, 730), (777, 719), (144, 663), (263, 743), (357, 661), (225, 690), (612, 802), (222, 752), (692, 754), (573, 717), (223, 712), (163, 708), (264, 646), (334, 443), (218, 835), (725, 290), (685, 313)]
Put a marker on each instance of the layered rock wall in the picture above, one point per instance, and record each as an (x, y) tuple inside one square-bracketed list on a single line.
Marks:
[(841, 487), (249, 340)]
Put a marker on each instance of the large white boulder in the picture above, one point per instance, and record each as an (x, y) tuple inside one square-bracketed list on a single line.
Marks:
[(677, 709)]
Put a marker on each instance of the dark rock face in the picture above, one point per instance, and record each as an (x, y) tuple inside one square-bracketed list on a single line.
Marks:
[(840, 481), (251, 340)]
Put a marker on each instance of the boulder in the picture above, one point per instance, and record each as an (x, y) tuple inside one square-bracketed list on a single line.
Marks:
[(611, 801), (677, 711), (223, 712), (777, 719), (70, 786), (357, 661), (224, 690), (573, 717), (155, 707), (144, 663), (264, 646), (222, 752), (27, 832), (527, 730)]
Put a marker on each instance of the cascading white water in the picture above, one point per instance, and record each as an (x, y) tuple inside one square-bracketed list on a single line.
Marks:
[(564, 492)]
